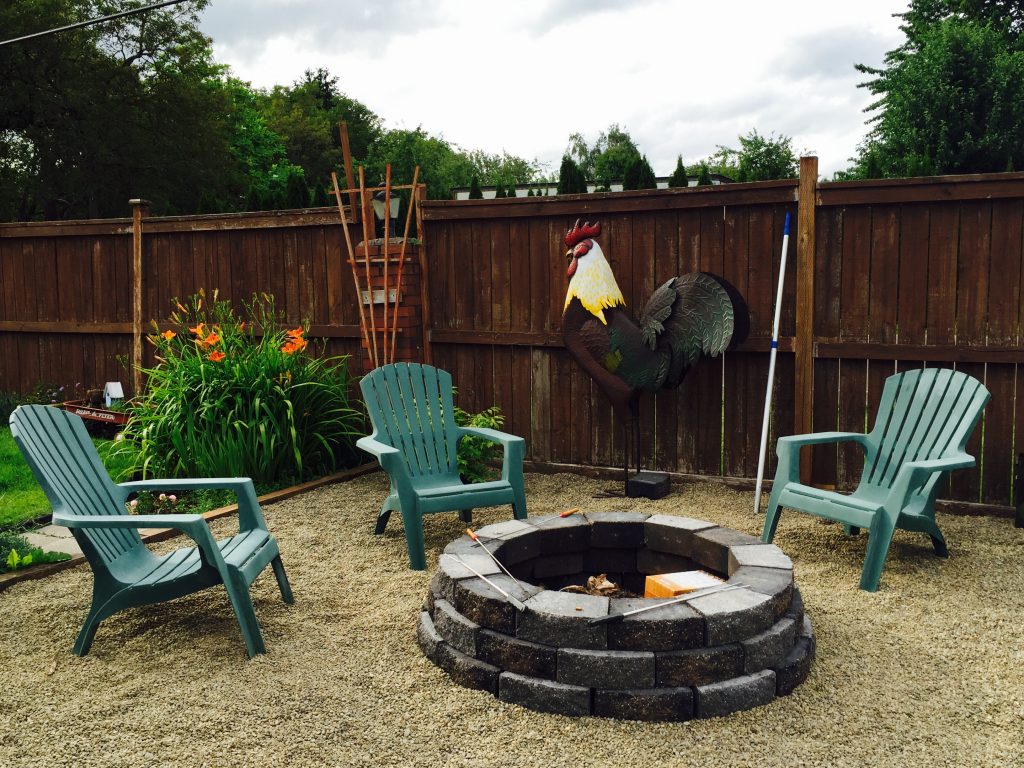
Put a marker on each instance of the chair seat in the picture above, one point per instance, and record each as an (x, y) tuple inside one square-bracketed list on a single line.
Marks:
[(455, 487), (238, 551)]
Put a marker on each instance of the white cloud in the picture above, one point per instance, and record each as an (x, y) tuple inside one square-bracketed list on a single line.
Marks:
[(681, 77)]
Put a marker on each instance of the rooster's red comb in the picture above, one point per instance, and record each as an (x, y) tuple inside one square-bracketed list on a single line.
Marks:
[(579, 233)]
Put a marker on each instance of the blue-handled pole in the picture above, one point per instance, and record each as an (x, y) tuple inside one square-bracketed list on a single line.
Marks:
[(771, 369)]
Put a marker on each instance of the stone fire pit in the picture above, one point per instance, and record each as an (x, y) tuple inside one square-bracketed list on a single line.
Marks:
[(714, 655)]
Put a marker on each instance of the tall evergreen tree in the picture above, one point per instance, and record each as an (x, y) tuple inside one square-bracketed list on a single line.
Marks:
[(639, 174), (704, 175), (474, 189), (570, 178), (679, 177)]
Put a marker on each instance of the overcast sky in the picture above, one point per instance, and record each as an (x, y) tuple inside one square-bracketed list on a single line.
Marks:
[(680, 77)]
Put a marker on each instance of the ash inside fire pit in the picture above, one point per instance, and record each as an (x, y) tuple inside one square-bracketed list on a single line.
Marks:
[(711, 655)]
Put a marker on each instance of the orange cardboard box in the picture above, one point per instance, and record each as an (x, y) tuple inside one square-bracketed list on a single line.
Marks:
[(675, 584)]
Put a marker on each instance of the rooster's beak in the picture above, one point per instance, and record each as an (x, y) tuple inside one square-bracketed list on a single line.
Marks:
[(572, 264)]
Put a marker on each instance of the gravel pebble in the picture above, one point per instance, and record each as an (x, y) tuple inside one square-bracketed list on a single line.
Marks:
[(929, 671)]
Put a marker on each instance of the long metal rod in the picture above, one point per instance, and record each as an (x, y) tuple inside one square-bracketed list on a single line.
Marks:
[(771, 370), (497, 562), (519, 605), (111, 17), (690, 596)]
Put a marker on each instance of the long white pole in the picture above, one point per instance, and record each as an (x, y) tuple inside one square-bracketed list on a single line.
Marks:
[(771, 369)]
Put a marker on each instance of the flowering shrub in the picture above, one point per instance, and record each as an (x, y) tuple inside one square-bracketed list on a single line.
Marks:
[(231, 397)]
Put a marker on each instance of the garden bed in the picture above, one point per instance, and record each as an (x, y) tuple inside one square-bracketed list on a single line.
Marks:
[(926, 672)]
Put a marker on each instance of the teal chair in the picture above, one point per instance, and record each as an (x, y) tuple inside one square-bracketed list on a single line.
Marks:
[(415, 438), (920, 434), (125, 573)]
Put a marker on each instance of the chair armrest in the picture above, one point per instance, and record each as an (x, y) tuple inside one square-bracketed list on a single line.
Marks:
[(491, 434), (788, 451), (250, 516), (194, 526), (513, 446), (389, 457), (914, 473), (818, 438)]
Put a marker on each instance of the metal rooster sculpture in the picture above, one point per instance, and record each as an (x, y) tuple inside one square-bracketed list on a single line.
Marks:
[(687, 318)]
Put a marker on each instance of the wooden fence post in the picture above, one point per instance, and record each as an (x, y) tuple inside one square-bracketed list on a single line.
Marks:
[(140, 210), (428, 353), (803, 343)]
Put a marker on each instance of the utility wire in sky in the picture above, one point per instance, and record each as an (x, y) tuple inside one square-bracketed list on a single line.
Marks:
[(130, 12)]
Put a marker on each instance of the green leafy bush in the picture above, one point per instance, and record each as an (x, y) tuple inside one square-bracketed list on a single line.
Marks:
[(16, 552), (476, 455), (231, 397)]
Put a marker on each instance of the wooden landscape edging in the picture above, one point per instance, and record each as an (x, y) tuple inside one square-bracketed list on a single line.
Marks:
[(162, 534)]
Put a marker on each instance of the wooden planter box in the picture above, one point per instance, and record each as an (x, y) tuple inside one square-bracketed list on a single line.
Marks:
[(93, 413)]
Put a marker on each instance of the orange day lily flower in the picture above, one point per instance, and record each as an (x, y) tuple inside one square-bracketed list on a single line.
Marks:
[(296, 333), (211, 339), (199, 330), (168, 335), (216, 356)]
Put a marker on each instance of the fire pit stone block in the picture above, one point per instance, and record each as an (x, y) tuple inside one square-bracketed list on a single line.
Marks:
[(797, 665), (650, 704), (481, 603), (758, 556), (616, 530), (562, 534), (544, 695), (734, 615), (467, 671), (735, 695), (456, 629), (699, 666), (560, 619), (564, 564), (672, 534), (519, 656), (667, 629), (770, 647), (775, 583), (710, 547), (615, 670)]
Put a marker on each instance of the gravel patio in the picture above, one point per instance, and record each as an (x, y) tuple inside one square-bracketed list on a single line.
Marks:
[(929, 671)]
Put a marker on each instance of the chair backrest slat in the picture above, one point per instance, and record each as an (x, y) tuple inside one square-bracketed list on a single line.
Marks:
[(65, 462), (410, 407), (923, 414)]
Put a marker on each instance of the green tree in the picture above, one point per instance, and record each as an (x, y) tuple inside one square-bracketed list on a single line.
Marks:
[(639, 175), (703, 175), (474, 189), (606, 160), (951, 98), (94, 116), (296, 191), (499, 191), (679, 177), (571, 180), (442, 167)]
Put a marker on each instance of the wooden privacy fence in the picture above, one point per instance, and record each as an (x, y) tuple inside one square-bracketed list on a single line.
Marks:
[(882, 276), (886, 275)]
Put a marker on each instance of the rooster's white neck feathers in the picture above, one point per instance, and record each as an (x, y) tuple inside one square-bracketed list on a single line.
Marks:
[(594, 284)]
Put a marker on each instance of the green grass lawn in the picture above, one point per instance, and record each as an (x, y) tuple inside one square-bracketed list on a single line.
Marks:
[(21, 498)]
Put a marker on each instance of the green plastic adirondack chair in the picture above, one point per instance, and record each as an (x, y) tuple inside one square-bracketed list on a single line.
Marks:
[(415, 439), (924, 420), (125, 573)]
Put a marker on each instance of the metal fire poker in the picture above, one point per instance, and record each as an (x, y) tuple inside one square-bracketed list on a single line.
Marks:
[(691, 596), (517, 604), (497, 562)]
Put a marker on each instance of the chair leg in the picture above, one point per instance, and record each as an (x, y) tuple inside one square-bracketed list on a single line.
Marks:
[(879, 539), (413, 523), (466, 515), (390, 505), (771, 517), (519, 504), (241, 601), (282, 580), (85, 637)]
